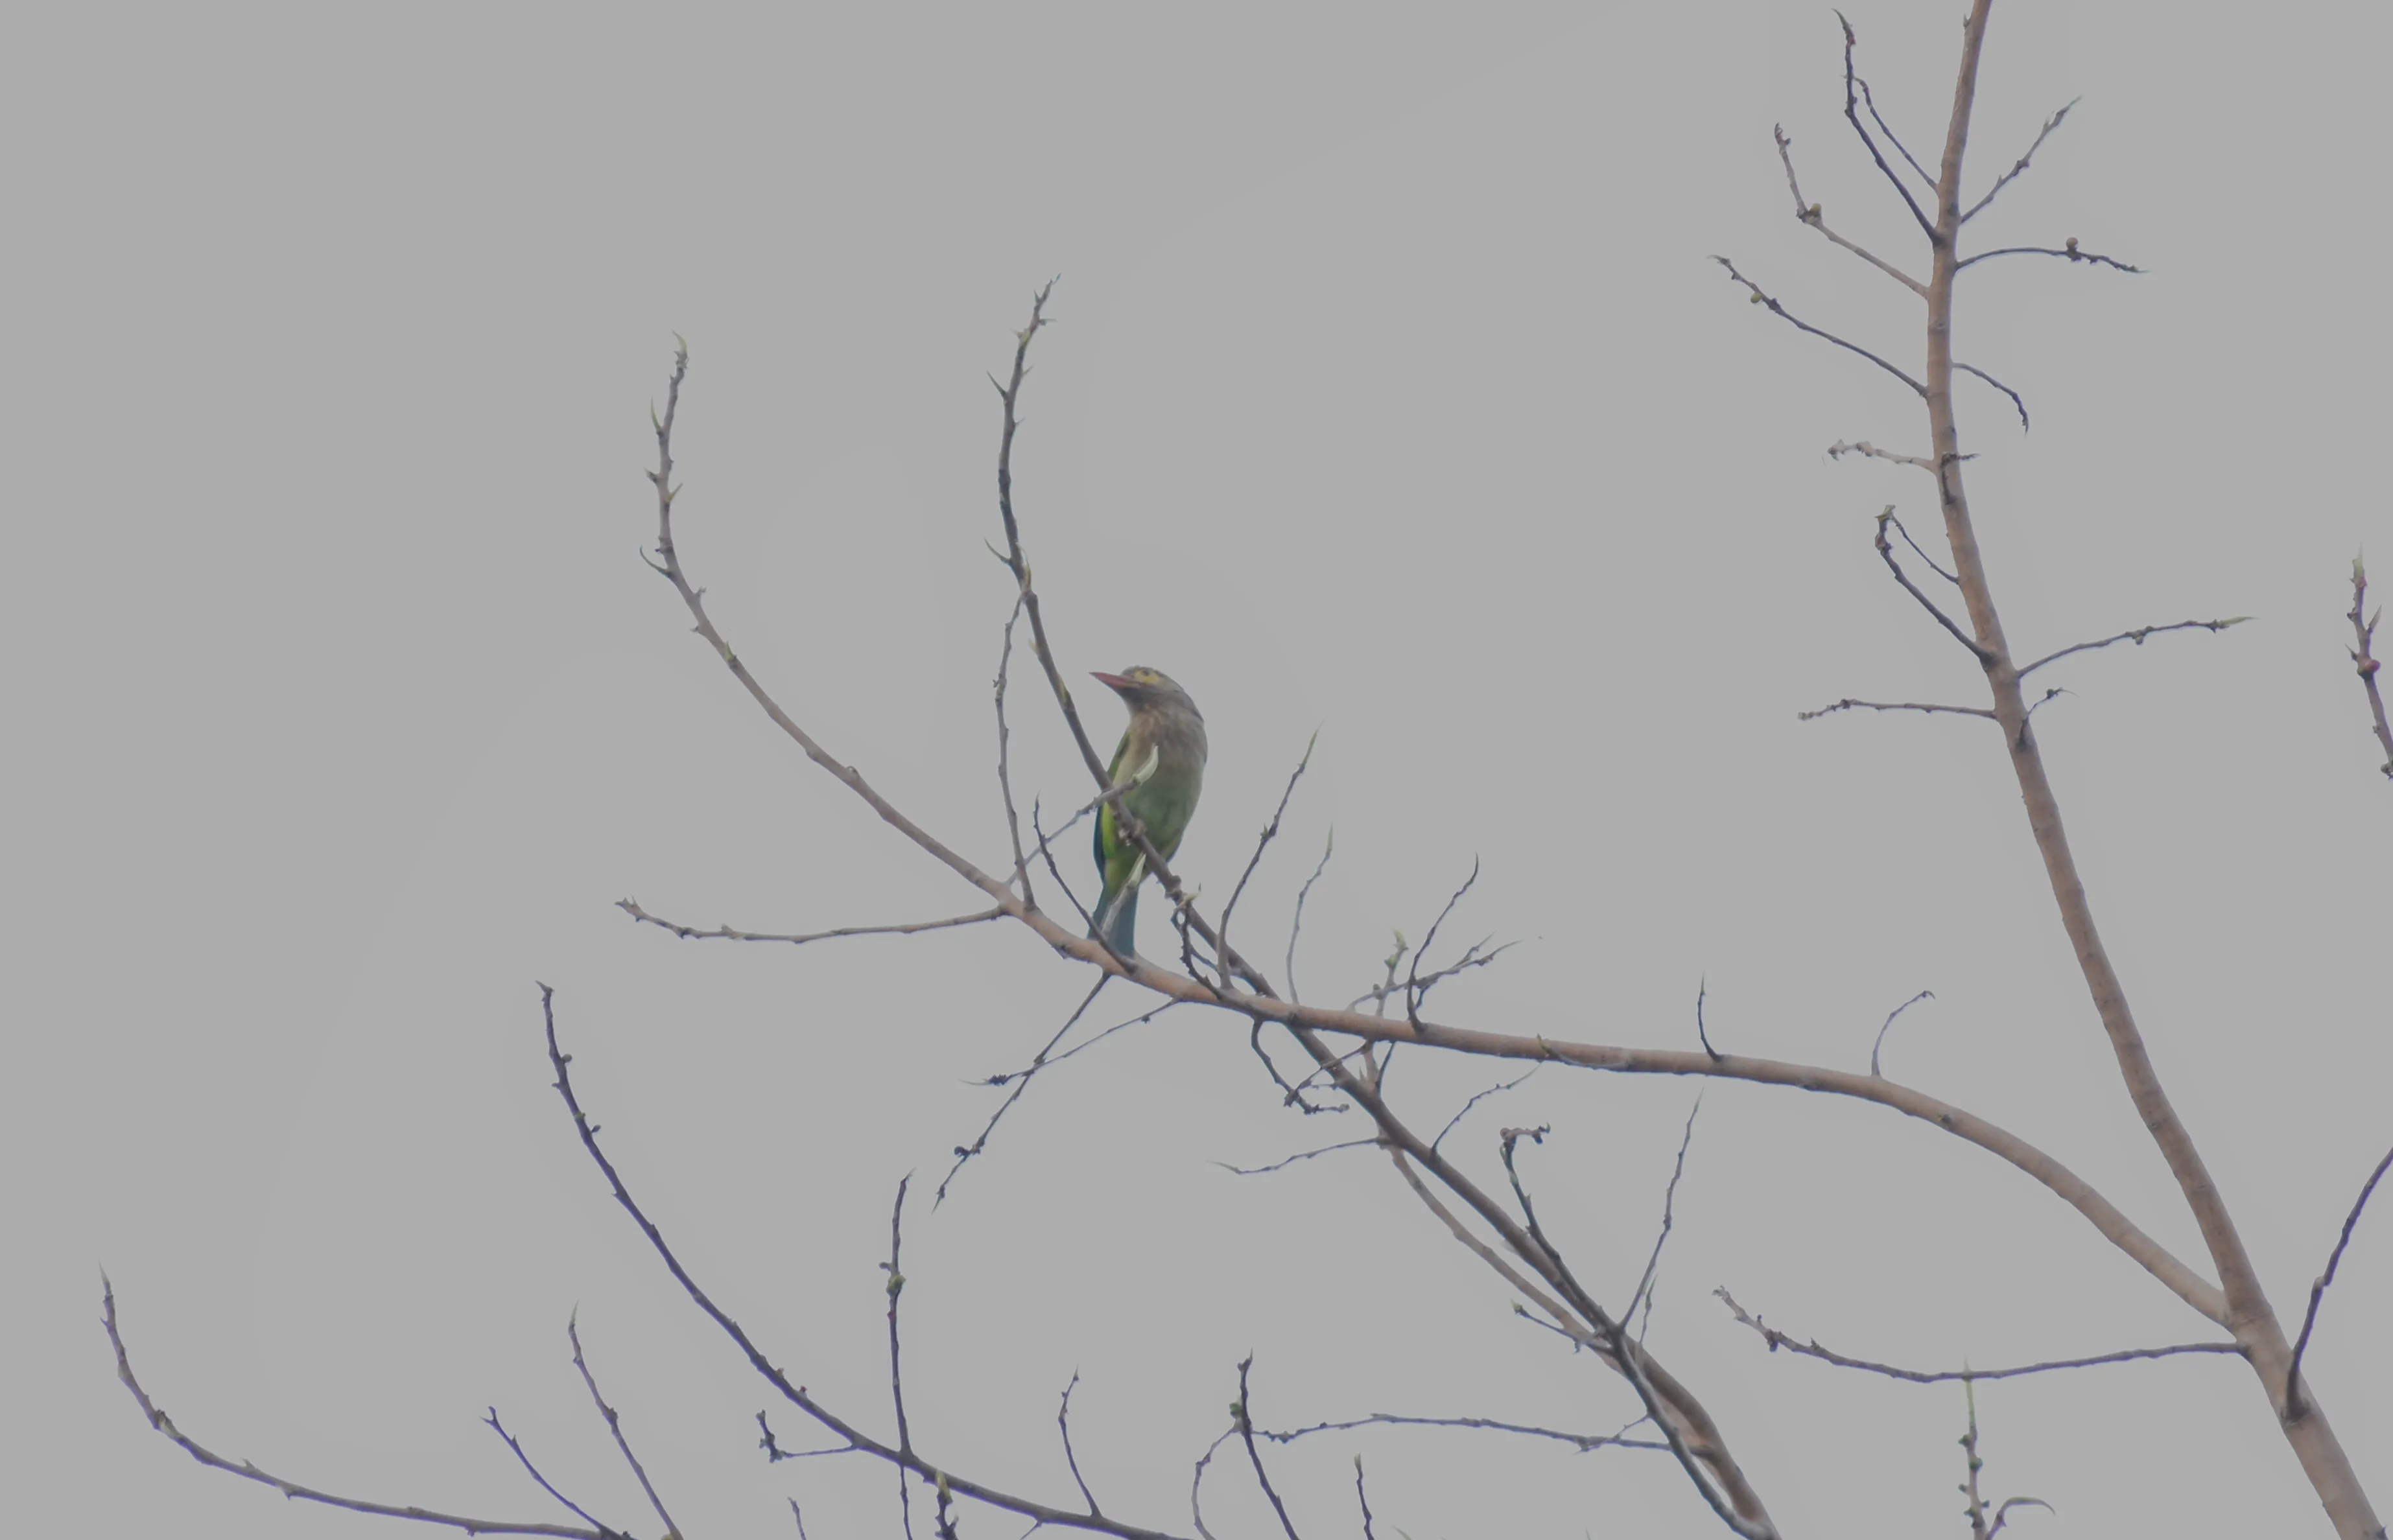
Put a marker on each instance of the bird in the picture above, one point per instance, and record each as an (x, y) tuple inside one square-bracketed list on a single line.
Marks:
[(1161, 760)]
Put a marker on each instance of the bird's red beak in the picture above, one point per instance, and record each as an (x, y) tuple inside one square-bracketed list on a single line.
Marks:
[(1114, 682)]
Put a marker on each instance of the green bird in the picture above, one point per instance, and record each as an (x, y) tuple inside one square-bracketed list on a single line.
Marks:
[(1162, 761)]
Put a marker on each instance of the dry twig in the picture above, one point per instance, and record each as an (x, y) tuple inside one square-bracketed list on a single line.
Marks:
[(1778, 1340), (2363, 656), (2295, 1405)]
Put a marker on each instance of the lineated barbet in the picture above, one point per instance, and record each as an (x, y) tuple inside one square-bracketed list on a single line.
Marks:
[(1161, 760)]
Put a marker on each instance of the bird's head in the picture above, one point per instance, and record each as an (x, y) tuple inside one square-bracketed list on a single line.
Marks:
[(1141, 686)]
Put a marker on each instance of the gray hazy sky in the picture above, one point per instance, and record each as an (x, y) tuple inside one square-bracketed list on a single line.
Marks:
[(1391, 393)]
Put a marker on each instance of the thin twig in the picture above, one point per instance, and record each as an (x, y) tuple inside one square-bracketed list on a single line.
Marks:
[(1010, 393), (1262, 843), (1021, 1079), (1245, 1416), (2364, 659), (614, 1427), (1701, 1034), (1063, 1424), (725, 933), (1850, 704), (1630, 1357), (1783, 314), (2136, 636), (1584, 1442), (2294, 1406), (2068, 252), (2020, 167), (1415, 991), (1363, 1497), (1305, 1154), (1853, 115), (1886, 553), (897, 1287), (1880, 1041), (797, 1395), (1476, 1098), (1472, 957), (1645, 1294), (491, 1422), (1296, 924), (1838, 449), (1871, 102), (1004, 765), (2019, 405), (289, 1489), (1778, 1340), (1809, 214), (1196, 1481), (1923, 556)]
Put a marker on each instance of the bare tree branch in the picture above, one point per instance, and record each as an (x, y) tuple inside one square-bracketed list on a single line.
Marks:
[(1064, 1426), (1304, 1154), (1880, 1041), (2295, 1405), (1850, 704), (1979, 1528), (290, 1489), (896, 1285), (1788, 316), (2017, 404), (725, 933), (1245, 1418), (2018, 169), (1838, 449), (1004, 742), (1262, 843), (614, 1427), (2067, 252), (1645, 1294), (1915, 551), (1871, 102), (1628, 1356), (1778, 1340), (795, 1394), (2136, 636), (1477, 1097), (1296, 924), (1021, 1078), (2364, 659), (492, 1423), (1886, 553), (1583, 1443), (1853, 115), (1809, 214)]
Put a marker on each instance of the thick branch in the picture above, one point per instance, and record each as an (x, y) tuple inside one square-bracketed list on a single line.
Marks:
[(2247, 1311)]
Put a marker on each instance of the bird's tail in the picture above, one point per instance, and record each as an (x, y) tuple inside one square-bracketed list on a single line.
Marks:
[(1119, 924)]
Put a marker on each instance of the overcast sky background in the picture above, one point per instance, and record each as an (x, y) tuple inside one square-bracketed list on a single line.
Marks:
[(1391, 393)]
